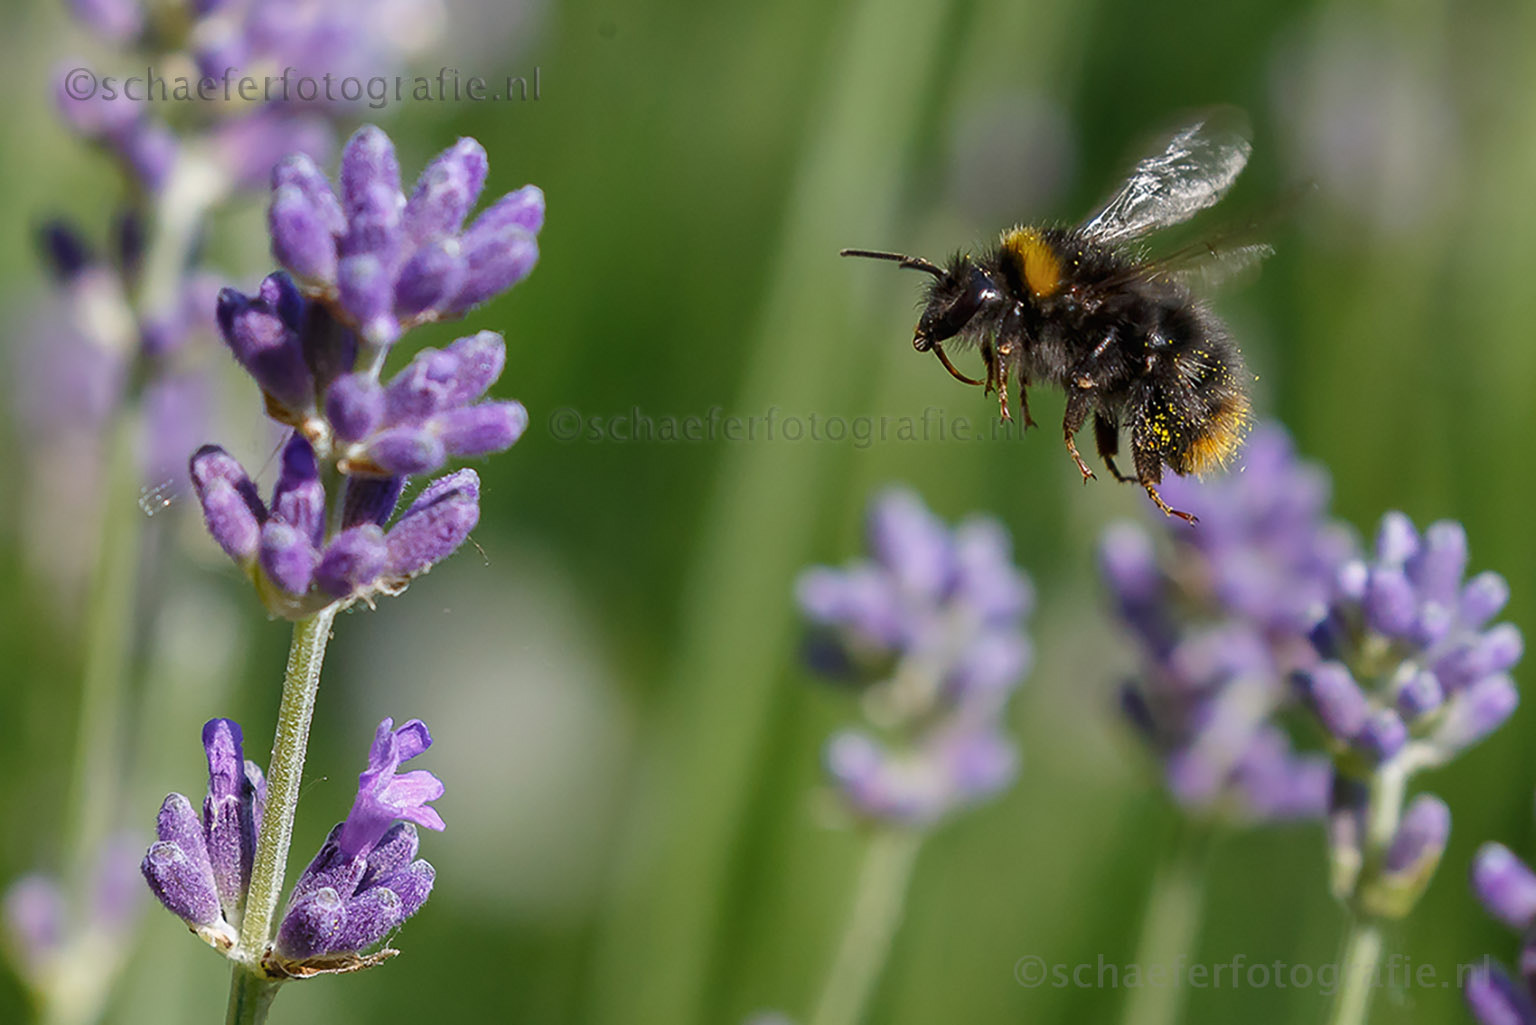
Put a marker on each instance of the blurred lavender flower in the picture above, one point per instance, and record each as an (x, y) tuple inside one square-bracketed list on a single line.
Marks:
[(1506, 887), (366, 880), (930, 628), (1220, 616), (69, 952), (1411, 675)]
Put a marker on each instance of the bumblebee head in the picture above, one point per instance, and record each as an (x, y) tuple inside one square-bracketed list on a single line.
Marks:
[(955, 296)]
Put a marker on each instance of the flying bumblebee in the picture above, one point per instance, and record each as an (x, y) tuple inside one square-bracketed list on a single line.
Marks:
[(1125, 337)]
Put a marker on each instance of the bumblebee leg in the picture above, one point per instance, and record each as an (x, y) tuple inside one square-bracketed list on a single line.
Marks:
[(1072, 422), (1149, 474), (1001, 381), (1106, 434), (1168, 510), (1029, 421)]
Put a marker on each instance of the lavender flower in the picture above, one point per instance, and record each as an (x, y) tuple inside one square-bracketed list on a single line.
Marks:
[(1410, 674), (297, 567), (366, 881), (1220, 616), (315, 546), (930, 628), (200, 867), (1506, 887), (383, 262)]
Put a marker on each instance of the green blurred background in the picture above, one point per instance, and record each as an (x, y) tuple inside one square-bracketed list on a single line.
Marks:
[(629, 746)]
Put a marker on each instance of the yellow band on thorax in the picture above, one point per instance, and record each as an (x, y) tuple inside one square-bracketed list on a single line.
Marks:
[(1037, 263)]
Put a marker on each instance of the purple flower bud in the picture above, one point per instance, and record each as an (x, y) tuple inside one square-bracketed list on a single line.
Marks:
[(1484, 597), (178, 823), (287, 557), (300, 172), (1420, 695), (370, 500), (266, 346), (366, 288), (1396, 540), (228, 812), (301, 239), (481, 429), (1505, 886), (1495, 999), (310, 928), (424, 387), (986, 580), (446, 191), (430, 279), (352, 561), (413, 885), (481, 358), (299, 498), (1382, 736), (1476, 712), (1389, 603), (36, 922), (494, 261), (1421, 836), (354, 405), (1338, 701), (231, 508), (331, 869), (909, 541), (65, 251), (385, 795), (522, 209), (370, 917), (368, 164), (435, 525), (1437, 569), (394, 852), (406, 451), (184, 887)]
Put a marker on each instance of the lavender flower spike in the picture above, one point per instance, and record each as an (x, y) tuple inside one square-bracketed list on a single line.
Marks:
[(365, 881), (932, 627)]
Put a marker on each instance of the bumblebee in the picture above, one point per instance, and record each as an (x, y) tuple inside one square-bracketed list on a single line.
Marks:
[(1125, 337)]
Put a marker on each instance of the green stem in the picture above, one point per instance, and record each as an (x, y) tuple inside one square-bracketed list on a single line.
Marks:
[(285, 773), (1170, 929), (107, 640), (250, 996), (1357, 968), (877, 907)]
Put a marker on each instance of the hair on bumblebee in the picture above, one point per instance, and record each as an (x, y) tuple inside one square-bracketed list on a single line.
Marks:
[(1128, 339)]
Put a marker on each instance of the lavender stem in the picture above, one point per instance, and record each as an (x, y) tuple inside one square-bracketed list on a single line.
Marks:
[(108, 631), (250, 997), (284, 775), (1357, 972), (1170, 928), (877, 909)]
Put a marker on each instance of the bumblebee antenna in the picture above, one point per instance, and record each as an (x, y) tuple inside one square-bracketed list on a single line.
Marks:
[(938, 350), (912, 262)]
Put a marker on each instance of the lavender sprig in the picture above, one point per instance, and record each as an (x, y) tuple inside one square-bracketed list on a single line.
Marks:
[(327, 537), (929, 630), (1410, 674)]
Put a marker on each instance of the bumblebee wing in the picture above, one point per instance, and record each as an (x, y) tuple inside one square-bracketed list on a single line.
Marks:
[(1203, 267), (1195, 168)]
